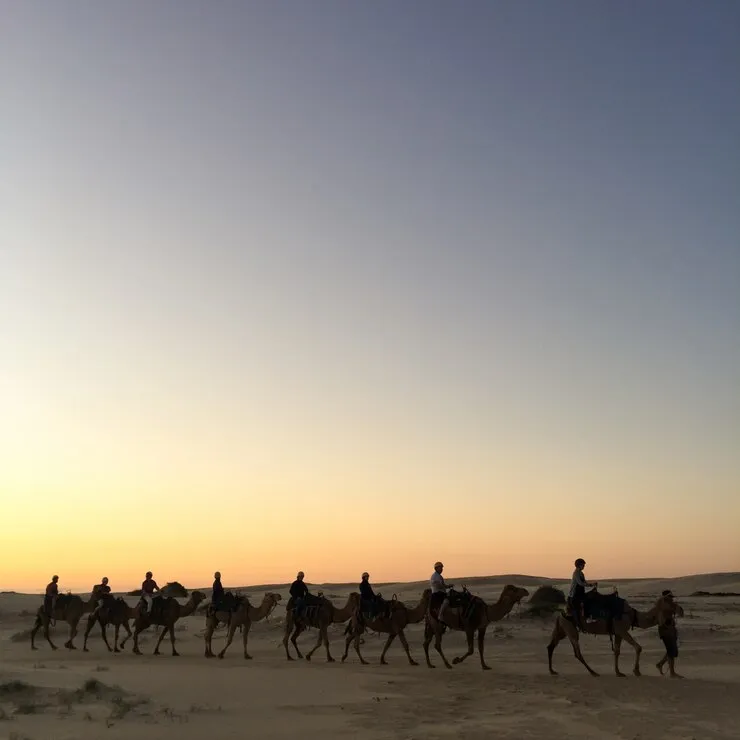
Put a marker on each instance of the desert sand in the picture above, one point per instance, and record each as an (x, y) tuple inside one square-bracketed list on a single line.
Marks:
[(69, 695)]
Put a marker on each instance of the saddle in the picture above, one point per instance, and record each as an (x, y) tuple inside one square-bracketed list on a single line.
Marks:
[(465, 601), (603, 606), (377, 608), (230, 602), (63, 600), (158, 603)]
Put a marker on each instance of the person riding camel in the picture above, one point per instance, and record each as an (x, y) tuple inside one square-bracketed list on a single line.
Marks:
[(372, 602), (299, 592), (439, 598), (100, 591), (577, 593), (217, 596), (50, 597), (148, 587)]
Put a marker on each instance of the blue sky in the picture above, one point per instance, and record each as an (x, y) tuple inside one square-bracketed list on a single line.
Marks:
[(477, 258)]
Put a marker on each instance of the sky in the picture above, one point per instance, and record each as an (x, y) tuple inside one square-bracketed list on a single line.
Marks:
[(343, 286)]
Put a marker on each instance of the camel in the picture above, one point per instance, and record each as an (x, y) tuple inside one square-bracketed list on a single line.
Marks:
[(319, 614), (620, 629), (69, 608), (116, 612), (393, 624), (243, 616), (164, 614), (481, 616)]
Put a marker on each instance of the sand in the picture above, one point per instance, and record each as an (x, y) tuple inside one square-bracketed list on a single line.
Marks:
[(76, 695)]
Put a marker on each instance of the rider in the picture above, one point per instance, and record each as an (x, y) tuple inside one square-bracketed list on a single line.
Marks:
[(577, 593), (367, 595), (148, 587), (218, 590), (439, 590), (50, 597), (100, 591), (298, 592)]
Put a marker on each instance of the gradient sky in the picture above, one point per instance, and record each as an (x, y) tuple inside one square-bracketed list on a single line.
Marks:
[(363, 285)]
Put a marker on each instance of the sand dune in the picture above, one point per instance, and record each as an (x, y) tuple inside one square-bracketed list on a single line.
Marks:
[(69, 695)]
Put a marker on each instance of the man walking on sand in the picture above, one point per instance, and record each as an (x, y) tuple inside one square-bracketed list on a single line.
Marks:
[(668, 633)]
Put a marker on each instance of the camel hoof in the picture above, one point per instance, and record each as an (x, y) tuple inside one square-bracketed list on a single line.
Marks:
[(455, 661), (411, 662), (85, 650), (116, 650), (290, 658), (175, 654), (308, 658), (330, 660), (247, 657), (344, 657), (553, 673), (53, 647), (620, 674), (220, 656), (637, 673), (486, 667)]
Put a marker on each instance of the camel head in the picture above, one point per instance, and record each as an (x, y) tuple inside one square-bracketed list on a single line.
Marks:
[(513, 594), (271, 599), (196, 597), (354, 600)]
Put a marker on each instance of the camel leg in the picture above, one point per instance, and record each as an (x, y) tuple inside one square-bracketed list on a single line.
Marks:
[(438, 645), (350, 636), (557, 635), (391, 637), (286, 634), (159, 641), (103, 632), (469, 637), (229, 638), (294, 639), (72, 634), (638, 649), (135, 649), (47, 627), (481, 645), (129, 633), (358, 636), (245, 638), (171, 628), (34, 630), (116, 630), (617, 649), (428, 635), (90, 624), (404, 642), (329, 659), (579, 655), (210, 627)]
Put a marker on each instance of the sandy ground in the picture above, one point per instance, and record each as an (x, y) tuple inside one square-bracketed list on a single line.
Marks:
[(75, 695)]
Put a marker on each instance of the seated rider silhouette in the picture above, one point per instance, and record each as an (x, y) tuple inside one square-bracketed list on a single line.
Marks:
[(148, 587), (217, 595), (100, 591), (577, 593), (50, 597), (439, 598), (370, 602), (299, 593)]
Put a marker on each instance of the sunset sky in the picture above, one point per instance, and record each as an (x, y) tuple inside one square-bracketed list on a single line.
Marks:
[(347, 286)]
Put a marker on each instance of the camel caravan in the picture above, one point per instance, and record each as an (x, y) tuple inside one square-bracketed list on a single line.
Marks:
[(440, 608)]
